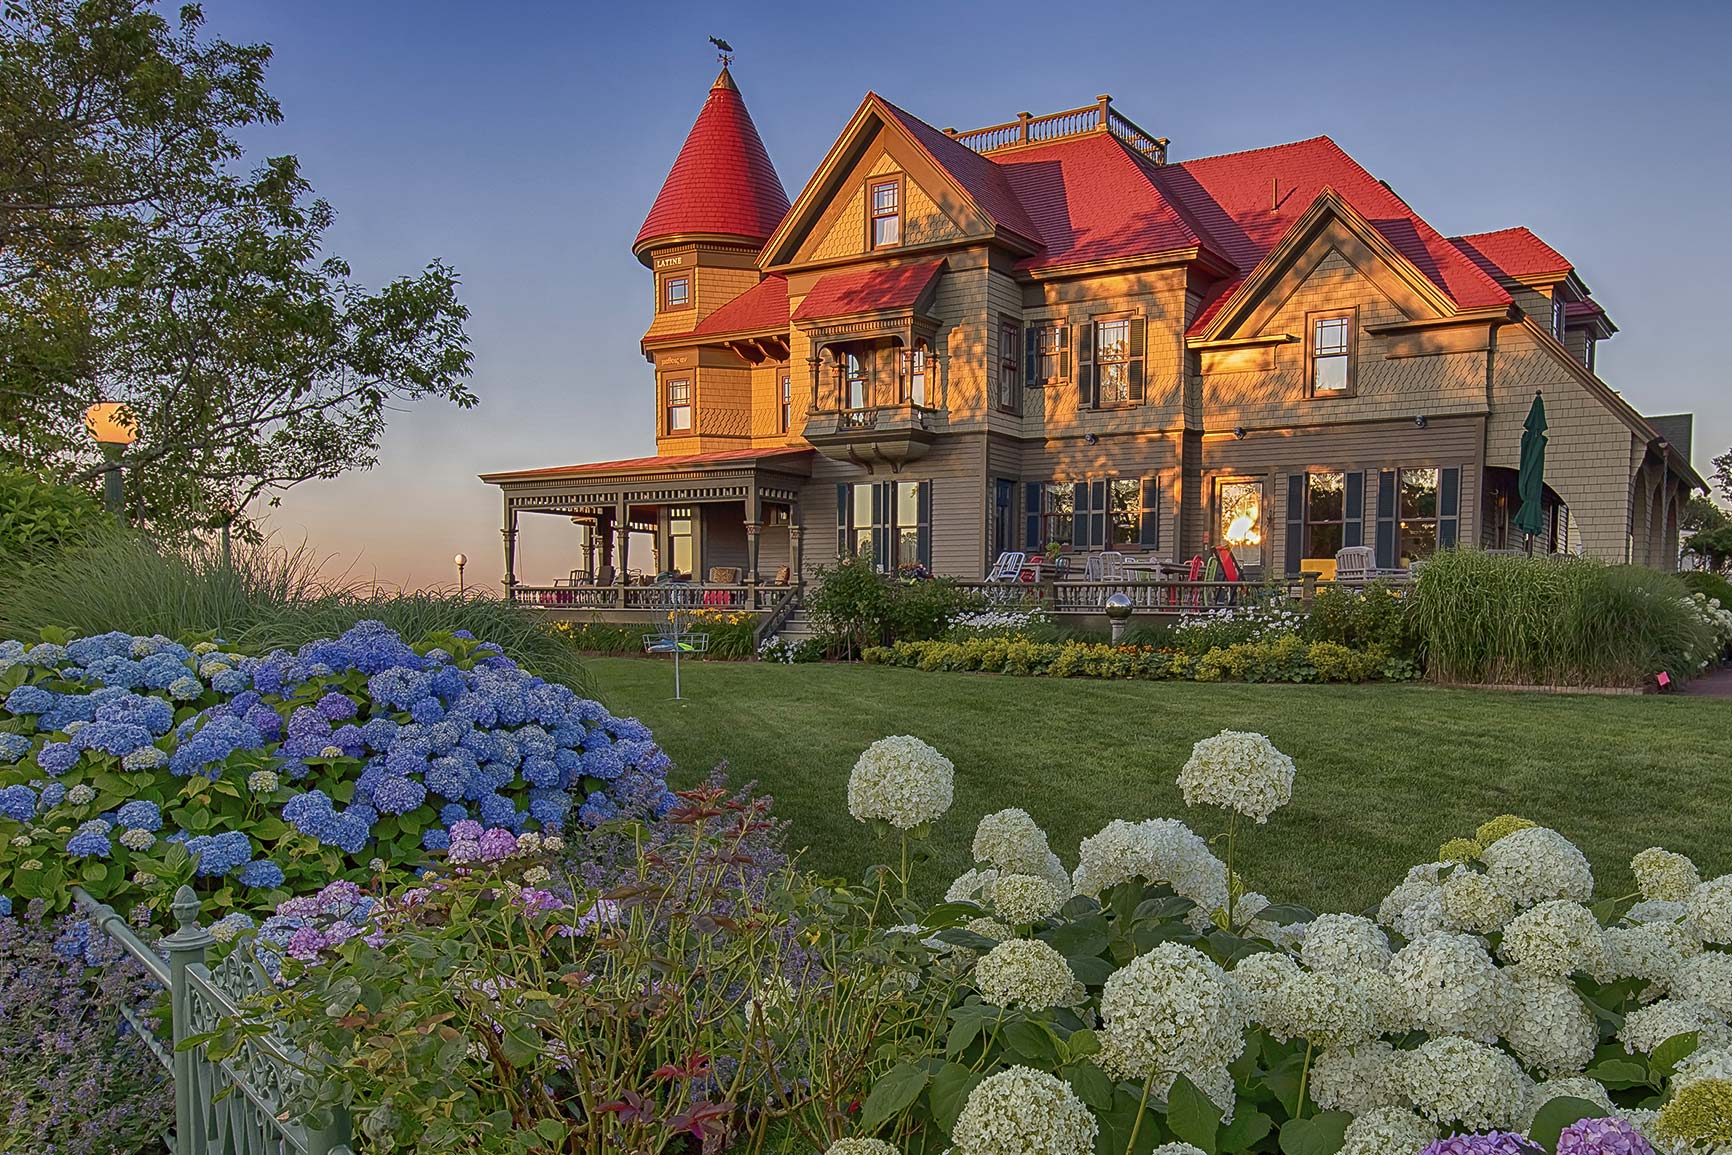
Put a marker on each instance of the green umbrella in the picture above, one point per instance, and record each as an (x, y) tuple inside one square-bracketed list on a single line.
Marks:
[(1531, 482)]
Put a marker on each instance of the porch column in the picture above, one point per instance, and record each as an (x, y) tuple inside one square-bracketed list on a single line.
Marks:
[(794, 547), (622, 527), (754, 526), (509, 533), (815, 363), (589, 551)]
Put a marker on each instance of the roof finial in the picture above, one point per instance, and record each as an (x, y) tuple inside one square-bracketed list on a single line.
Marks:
[(724, 50)]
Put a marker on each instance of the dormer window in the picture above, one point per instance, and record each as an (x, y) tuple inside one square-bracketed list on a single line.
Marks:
[(1560, 313), (884, 198), (1331, 356), (676, 293)]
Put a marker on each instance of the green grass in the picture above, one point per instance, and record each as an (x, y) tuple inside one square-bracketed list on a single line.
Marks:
[(1386, 772)]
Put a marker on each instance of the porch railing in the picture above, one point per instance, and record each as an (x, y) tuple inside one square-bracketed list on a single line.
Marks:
[(232, 1106), (667, 596), (777, 616), (1153, 597)]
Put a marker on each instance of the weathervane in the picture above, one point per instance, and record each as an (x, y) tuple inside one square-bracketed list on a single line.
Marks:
[(724, 50)]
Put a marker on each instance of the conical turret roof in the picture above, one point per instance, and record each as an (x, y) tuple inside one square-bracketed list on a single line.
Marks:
[(722, 183)]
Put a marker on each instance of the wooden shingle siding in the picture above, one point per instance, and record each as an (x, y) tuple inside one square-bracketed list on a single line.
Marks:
[(959, 516)]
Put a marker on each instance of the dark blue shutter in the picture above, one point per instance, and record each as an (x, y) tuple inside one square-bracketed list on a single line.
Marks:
[(1031, 355), (842, 506), (1061, 333), (883, 501), (1031, 514), (1097, 515), (1134, 370), (1295, 522), (1079, 518), (1386, 519), (1149, 532), (1448, 507), (1353, 533), (1085, 365), (923, 535)]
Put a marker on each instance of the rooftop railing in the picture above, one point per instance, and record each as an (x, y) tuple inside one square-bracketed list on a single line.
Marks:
[(1029, 129)]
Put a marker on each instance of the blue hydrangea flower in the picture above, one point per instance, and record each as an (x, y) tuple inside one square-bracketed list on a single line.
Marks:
[(89, 842), (261, 873), (335, 707), (53, 794), (13, 747), (30, 700), (453, 812), (18, 803), (5, 906), (596, 809), (218, 854), (116, 738), (426, 710), (140, 814), (230, 681), (398, 795), (57, 757), (434, 838)]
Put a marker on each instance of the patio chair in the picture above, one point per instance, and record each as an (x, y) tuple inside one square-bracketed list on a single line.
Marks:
[(784, 576), (1007, 567), (1193, 573), (1112, 566), (1094, 569), (1355, 563), (1230, 571)]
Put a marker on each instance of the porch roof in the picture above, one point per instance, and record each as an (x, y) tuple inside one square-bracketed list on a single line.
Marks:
[(752, 476), (795, 459), (868, 290)]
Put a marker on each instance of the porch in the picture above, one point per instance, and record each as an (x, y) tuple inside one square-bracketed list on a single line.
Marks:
[(717, 530)]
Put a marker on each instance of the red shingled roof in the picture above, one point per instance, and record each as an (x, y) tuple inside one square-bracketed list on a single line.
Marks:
[(722, 183), (863, 290), (631, 464), (763, 306), (1246, 201), (1512, 253)]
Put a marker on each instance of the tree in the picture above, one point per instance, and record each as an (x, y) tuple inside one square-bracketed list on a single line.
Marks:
[(1723, 474), (139, 263), (1701, 513)]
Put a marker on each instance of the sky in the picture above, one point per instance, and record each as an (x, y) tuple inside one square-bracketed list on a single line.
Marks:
[(524, 142)]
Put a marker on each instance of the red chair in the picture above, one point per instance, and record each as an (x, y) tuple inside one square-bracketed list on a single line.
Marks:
[(1193, 573), (1230, 571)]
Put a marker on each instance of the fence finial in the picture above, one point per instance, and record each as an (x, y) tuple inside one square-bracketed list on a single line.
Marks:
[(186, 908)]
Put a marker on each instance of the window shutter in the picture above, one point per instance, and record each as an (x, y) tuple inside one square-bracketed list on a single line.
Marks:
[(1063, 338), (1097, 515), (1386, 519), (841, 522), (883, 501), (1295, 548), (1079, 518), (1134, 370), (1149, 531), (1448, 506), (1353, 533), (1031, 517), (923, 534), (1031, 355), (1085, 365)]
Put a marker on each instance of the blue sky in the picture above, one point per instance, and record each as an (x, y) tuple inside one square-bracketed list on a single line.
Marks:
[(524, 143)]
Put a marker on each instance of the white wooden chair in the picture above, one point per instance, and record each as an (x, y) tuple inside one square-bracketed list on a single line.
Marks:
[(1356, 563), (1008, 566)]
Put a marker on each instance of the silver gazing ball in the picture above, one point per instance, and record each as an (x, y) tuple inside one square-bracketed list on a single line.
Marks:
[(1118, 607)]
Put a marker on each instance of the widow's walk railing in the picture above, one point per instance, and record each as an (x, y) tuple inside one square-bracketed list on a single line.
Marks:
[(1028, 129)]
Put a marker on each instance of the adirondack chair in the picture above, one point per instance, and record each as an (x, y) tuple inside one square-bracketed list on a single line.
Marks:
[(1230, 571), (1211, 573), (1355, 563), (1193, 573)]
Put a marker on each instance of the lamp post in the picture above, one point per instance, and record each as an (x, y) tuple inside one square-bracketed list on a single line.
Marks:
[(461, 561), (112, 427)]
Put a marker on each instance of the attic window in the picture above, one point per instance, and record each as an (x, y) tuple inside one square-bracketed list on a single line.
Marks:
[(676, 292), (884, 198), (1331, 356), (1560, 313)]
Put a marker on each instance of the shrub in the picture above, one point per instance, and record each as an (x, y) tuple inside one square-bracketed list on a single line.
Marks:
[(1482, 617), (1709, 585), (1198, 633), (74, 1075), (132, 765), (858, 607), (1286, 658), (599, 637), (1372, 615), (38, 517)]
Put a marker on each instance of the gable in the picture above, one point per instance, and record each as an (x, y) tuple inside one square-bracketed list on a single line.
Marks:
[(930, 215)]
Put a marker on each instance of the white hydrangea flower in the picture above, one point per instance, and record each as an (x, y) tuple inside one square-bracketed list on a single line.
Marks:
[(1388, 1131), (1356, 1079), (1160, 850), (1537, 863), (1707, 979), (1703, 1063), (1389, 1007), (1028, 974), (1257, 977), (1171, 1011), (1019, 899), (902, 781), (1555, 938), (971, 885), (1656, 910), (1709, 909), (1011, 841), (1176, 1148), (1549, 1027), (1651, 951), (1341, 943), (1647, 1027), (80, 794), (1422, 882), (1663, 876), (1022, 1111), (1239, 771), (1455, 1081), (1568, 1087), (1450, 985), (861, 1147), (1472, 902), (137, 839), (990, 928), (1329, 1010)]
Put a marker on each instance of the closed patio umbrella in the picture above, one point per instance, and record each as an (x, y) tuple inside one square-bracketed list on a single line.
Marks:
[(1531, 481)]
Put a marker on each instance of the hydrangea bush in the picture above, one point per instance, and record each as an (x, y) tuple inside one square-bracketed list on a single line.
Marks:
[(130, 765)]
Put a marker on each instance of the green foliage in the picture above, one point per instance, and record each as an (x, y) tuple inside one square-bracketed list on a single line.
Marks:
[(858, 607), (1703, 512), (141, 263), (1714, 545), (1286, 658), (1374, 615), (265, 598), (1709, 585), (1482, 617), (38, 517), (730, 632)]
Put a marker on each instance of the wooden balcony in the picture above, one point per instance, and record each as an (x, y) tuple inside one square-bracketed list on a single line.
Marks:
[(892, 435), (1029, 129)]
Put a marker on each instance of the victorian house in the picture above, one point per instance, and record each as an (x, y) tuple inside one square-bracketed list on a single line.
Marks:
[(953, 344)]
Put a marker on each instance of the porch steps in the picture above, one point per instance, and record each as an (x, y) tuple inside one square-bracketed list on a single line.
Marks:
[(798, 627)]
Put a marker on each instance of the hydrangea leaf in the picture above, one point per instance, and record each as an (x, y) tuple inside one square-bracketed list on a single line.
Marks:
[(1666, 1057), (1194, 1118), (949, 1092), (1619, 1074), (892, 1094), (1321, 1134), (1247, 1128), (1551, 1119)]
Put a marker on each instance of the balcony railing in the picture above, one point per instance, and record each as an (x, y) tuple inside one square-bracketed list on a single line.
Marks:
[(904, 416), (1029, 129)]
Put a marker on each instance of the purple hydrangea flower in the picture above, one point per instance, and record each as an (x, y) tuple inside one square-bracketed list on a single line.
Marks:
[(497, 844), (1485, 1143), (1608, 1136)]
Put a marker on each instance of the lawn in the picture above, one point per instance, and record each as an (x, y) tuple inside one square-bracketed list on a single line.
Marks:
[(1386, 772)]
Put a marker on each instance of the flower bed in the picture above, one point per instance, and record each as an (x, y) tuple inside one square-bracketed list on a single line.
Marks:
[(130, 765), (1284, 658), (731, 633)]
